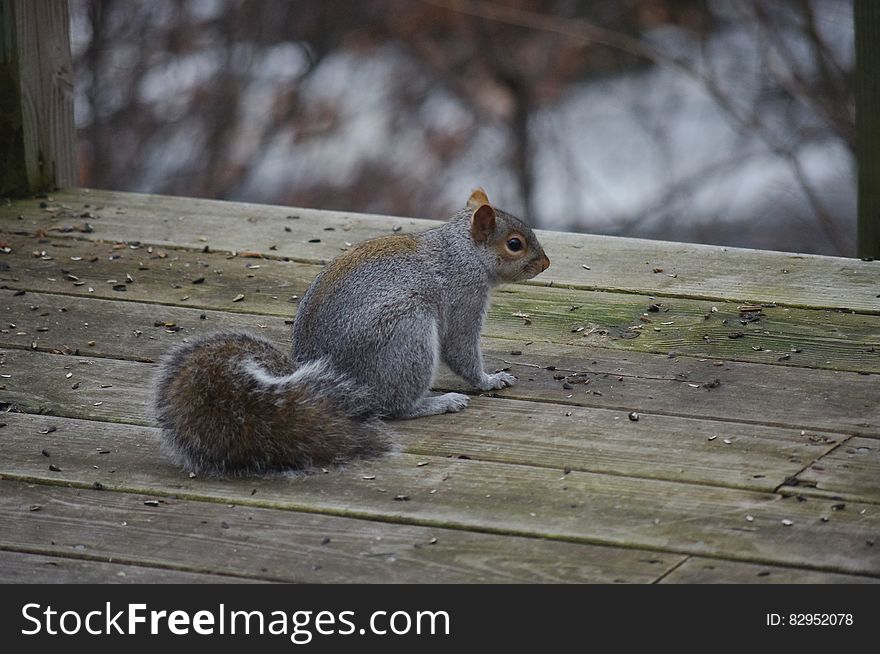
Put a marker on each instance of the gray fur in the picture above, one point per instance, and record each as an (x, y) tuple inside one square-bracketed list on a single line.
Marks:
[(388, 311), (367, 339)]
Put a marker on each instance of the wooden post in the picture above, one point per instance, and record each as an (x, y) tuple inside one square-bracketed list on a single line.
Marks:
[(867, 26), (37, 133)]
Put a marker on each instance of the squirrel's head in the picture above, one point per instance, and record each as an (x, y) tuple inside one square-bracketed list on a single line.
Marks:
[(512, 244)]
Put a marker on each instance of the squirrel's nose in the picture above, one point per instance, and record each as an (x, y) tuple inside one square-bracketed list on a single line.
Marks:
[(545, 262)]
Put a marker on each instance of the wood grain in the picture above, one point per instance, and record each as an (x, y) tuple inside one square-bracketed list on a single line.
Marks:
[(510, 431), (616, 264), (28, 568), (42, 145), (700, 570), (684, 386), (850, 471), (734, 469), (487, 497), (777, 336), (289, 546)]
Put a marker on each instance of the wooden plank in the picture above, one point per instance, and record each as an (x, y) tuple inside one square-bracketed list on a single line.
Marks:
[(37, 134), (26, 568), (782, 336), (866, 17), (159, 276), (779, 336), (657, 446), (706, 388), (598, 440), (615, 264), (122, 330), (34, 384), (700, 570), (289, 546), (479, 496), (746, 393), (850, 471)]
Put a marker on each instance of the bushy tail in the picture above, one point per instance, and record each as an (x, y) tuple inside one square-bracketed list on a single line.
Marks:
[(232, 404)]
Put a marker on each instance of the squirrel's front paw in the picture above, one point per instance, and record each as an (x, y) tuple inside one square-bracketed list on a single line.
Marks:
[(454, 402), (496, 381)]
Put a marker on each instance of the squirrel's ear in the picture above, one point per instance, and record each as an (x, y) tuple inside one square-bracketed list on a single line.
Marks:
[(482, 223), (478, 198)]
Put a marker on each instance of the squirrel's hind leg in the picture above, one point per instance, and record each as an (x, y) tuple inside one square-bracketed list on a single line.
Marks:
[(400, 366), (431, 405)]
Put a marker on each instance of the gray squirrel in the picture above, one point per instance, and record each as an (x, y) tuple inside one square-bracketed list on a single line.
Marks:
[(367, 339)]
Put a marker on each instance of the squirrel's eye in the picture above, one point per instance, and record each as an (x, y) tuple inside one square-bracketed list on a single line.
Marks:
[(514, 245)]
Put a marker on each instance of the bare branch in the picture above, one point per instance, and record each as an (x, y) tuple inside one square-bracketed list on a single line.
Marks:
[(583, 31)]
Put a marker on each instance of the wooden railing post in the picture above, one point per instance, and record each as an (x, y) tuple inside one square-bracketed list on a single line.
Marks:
[(37, 133), (867, 26)]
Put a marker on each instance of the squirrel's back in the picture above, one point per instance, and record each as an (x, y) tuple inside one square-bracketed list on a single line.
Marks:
[(228, 403)]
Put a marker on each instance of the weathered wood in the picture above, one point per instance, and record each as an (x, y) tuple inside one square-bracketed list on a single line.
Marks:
[(866, 15), (598, 440), (745, 393), (35, 384), (850, 471), (551, 481), (37, 134), (779, 336), (27, 568), (700, 570), (615, 264), (480, 496), (706, 388), (290, 546), (160, 277), (142, 332), (783, 336)]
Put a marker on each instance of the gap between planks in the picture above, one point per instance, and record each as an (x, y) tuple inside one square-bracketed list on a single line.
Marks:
[(600, 439), (518, 534), (323, 549), (97, 569), (824, 339), (696, 268), (749, 392), (630, 513), (447, 382), (286, 545)]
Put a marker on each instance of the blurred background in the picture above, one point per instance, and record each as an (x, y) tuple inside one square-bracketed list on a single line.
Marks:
[(727, 122)]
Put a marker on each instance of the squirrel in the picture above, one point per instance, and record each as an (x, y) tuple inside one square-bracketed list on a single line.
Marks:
[(367, 339)]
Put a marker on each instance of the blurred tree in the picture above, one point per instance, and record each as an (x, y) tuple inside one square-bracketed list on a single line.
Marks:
[(399, 106)]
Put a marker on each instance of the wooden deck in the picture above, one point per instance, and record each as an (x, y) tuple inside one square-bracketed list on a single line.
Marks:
[(755, 456)]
